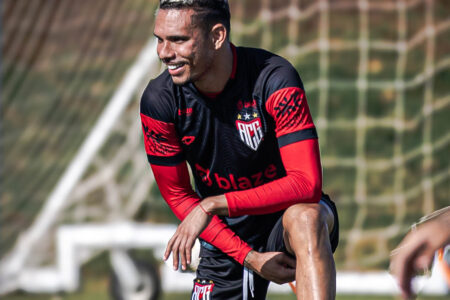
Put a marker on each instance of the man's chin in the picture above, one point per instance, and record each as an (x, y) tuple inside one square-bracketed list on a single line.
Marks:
[(180, 81)]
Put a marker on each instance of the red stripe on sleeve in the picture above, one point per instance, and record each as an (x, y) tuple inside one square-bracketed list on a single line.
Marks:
[(160, 137), (302, 183), (175, 187), (289, 109)]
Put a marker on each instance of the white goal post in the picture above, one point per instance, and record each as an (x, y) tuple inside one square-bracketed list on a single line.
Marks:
[(76, 243)]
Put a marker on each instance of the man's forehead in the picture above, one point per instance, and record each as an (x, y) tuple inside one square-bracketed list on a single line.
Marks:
[(173, 20), (188, 2), (178, 15)]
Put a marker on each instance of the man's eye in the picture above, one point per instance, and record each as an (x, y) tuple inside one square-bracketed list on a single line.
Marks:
[(180, 40)]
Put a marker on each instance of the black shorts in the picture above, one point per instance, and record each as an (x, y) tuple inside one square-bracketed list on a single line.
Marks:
[(221, 277)]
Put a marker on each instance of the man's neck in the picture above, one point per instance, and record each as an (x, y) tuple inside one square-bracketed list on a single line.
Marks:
[(214, 82)]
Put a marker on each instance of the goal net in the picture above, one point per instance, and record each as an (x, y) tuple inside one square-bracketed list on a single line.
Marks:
[(376, 75)]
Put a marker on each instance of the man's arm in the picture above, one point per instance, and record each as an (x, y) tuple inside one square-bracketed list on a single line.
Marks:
[(416, 251), (169, 168), (274, 196), (302, 183), (175, 187), (299, 151)]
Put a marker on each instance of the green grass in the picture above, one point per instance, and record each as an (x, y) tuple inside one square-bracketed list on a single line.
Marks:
[(98, 295)]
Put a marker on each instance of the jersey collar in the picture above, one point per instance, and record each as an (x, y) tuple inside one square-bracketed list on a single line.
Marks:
[(232, 75)]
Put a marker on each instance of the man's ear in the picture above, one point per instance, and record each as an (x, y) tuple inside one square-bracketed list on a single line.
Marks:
[(219, 35)]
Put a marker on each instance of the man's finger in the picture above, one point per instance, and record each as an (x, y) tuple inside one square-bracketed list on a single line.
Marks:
[(175, 254), (405, 275), (424, 259), (290, 275), (169, 248), (286, 274), (189, 245), (288, 261), (182, 248)]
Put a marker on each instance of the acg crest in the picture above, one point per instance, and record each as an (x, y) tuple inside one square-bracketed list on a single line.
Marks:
[(248, 124)]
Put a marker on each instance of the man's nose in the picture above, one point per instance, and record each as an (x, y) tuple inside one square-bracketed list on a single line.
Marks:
[(165, 51)]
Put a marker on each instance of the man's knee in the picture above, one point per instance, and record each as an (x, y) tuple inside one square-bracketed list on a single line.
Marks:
[(307, 222), (303, 217)]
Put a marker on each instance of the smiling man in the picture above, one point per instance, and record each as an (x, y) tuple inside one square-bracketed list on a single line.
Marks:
[(240, 118)]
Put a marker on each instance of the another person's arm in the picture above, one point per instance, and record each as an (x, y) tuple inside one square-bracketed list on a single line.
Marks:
[(416, 251)]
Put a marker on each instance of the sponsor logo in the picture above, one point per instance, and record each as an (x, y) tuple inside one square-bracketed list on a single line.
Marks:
[(232, 182), (186, 111), (187, 140), (248, 124), (202, 289)]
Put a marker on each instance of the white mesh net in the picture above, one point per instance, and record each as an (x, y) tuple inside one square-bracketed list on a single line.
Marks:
[(376, 74)]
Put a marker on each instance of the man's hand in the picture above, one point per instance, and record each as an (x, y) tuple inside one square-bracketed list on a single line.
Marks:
[(416, 251), (274, 266), (183, 240)]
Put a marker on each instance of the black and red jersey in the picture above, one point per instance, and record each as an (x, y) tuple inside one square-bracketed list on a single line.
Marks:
[(236, 143)]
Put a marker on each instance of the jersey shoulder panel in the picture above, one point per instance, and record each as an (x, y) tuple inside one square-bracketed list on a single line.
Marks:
[(158, 107), (282, 91), (278, 74), (158, 100)]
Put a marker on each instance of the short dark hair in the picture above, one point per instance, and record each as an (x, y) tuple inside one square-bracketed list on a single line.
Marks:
[(207, 12)]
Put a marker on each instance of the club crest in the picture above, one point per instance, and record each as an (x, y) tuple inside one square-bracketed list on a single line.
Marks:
[(202, 289), (249, 125)]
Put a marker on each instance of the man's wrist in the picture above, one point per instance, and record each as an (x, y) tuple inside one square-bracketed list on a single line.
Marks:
[(250, 259), (216, 205)]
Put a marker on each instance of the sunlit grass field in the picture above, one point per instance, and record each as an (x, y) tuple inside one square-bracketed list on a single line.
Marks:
[(95, 286)]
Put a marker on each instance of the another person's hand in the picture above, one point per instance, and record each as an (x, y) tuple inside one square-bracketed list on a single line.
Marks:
[(416, 251), (182, 241), (274, 266)]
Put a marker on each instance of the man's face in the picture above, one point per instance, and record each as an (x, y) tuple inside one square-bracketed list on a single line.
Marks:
[(184, 48)]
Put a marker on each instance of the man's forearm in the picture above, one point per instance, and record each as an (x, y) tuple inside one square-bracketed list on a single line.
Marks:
[(216, 205)]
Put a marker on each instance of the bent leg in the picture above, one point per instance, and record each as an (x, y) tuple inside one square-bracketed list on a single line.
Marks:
[(306, 235)]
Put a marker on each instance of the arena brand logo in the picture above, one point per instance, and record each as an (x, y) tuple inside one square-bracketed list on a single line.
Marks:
[(202, 289), (249, 124), (187, 140), (232, 182)]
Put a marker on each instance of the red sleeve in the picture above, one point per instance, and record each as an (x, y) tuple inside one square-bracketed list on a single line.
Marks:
[(175, 187), (299, 151), (302, 183)]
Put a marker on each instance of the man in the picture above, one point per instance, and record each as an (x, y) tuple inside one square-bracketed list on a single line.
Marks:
[(417, 249), (239, 117)]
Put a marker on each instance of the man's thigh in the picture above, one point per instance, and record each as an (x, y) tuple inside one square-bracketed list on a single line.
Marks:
[(276, 240), (222, 278)]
